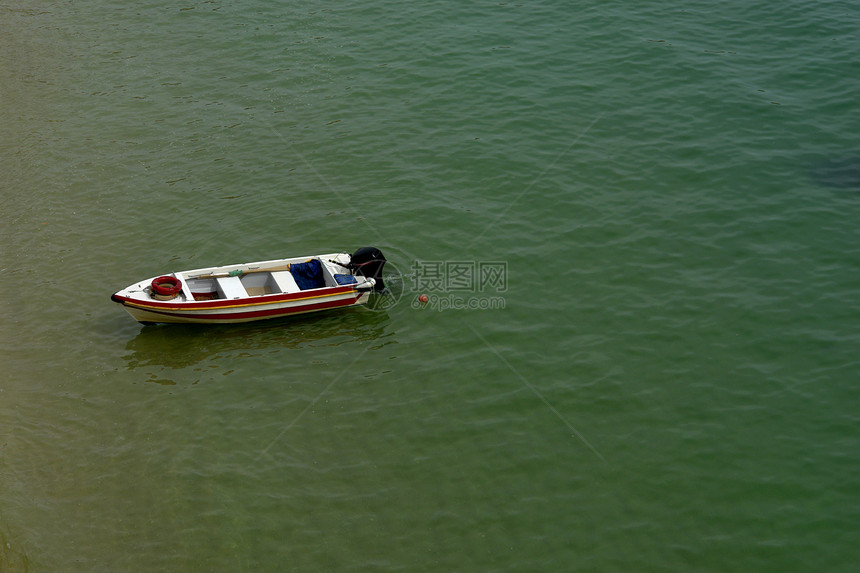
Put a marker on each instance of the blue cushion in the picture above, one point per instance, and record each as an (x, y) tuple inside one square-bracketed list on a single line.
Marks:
[(308, 275)]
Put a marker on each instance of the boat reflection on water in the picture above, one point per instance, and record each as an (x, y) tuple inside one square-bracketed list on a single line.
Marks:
[(182, 346)]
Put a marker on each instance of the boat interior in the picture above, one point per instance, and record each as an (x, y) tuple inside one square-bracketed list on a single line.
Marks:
[(259, 283)]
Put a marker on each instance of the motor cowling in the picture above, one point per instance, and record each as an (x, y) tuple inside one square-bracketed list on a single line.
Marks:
[(368, 262)]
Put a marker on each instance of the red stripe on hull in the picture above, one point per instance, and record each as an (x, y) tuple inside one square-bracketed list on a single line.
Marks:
[(264, 313), (152, 315), (155, 306)]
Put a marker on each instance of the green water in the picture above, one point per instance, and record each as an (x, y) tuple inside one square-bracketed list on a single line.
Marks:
[(663, 378)]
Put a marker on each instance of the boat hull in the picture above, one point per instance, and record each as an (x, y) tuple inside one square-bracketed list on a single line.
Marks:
[(239, 313), (190, 307)]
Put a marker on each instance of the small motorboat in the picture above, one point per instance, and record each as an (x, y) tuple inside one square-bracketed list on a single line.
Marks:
[(256, 291)]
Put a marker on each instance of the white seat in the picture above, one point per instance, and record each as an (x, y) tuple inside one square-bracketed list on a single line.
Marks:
[(231, 287), (285, 281)]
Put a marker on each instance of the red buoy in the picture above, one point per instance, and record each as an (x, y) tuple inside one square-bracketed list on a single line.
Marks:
[(166, 286)]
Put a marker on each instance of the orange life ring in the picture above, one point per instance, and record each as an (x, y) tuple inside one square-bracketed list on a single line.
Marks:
[(166, 287)]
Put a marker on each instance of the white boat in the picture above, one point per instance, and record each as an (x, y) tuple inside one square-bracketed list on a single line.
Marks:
[(256, 291)]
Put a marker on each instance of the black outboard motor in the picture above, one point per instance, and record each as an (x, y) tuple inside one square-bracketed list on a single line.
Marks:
[(368, 262)]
